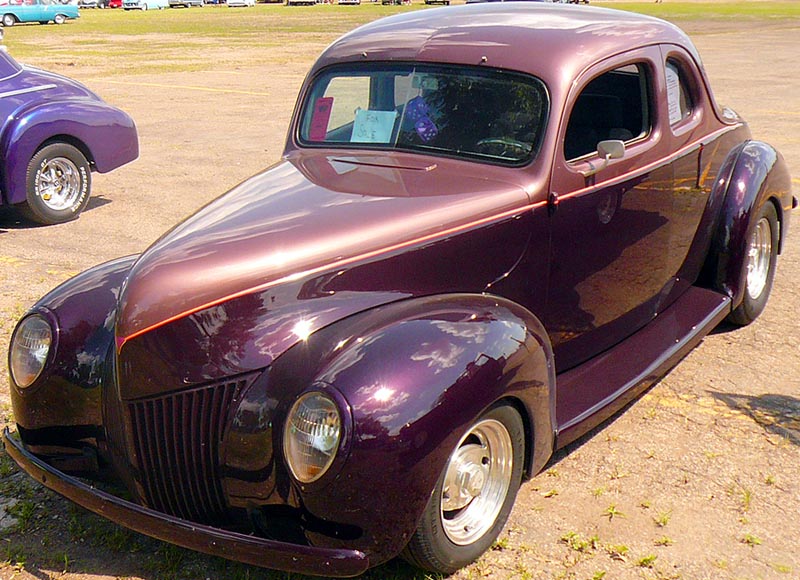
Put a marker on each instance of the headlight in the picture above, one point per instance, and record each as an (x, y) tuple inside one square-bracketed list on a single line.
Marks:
[(30, 346), (311, 436)]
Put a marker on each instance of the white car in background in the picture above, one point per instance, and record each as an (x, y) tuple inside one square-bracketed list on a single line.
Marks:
[(238, 3), (145, 4)]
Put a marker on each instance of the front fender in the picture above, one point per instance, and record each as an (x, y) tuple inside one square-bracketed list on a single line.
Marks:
[(106, 136), (67, 395), (415, 375), (758, 175)]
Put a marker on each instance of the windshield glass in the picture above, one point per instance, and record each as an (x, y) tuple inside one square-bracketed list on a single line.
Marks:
[(454, 110)]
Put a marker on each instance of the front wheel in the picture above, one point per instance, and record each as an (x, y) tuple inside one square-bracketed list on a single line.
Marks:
[(474, 495), (60, 19), (762, 255), (9, 20), (58, 184)]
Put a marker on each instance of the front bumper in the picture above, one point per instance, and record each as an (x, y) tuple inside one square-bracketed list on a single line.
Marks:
[(209, 540)]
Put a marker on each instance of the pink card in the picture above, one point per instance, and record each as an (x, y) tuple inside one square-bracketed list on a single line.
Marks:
[(320, 118)]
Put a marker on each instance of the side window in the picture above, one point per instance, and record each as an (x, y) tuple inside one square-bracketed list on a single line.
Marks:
[(679, 99), (614, 105)]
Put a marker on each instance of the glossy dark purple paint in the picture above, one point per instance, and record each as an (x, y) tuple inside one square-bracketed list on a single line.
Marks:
[(416, 290), (38, 105)]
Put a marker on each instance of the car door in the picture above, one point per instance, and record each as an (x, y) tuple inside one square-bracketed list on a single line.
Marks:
[(42, 10), (610, 225)]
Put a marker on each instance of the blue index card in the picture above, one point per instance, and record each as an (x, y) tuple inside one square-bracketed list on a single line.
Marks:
[(373, 126)]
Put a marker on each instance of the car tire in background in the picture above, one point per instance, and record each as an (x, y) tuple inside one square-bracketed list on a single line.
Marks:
[(473, 496), (762, 256), (58, 184)]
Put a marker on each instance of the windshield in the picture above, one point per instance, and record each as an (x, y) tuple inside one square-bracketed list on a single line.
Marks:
[(453, 110)]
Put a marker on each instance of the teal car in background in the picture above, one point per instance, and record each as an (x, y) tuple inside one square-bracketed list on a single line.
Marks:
[(41, 11)]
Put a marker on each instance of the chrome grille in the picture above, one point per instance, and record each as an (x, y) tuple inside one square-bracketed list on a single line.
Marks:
[(176, 439)]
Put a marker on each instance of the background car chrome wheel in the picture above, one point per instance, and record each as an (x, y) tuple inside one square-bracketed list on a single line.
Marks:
[(58, 184), (474, 494), (761, 258)]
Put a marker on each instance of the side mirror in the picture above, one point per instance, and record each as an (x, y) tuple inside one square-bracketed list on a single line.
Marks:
[(611, 149), (608, 150)]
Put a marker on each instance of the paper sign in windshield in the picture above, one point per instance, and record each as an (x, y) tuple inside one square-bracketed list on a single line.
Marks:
[(373, 126), (673, 95), (320, 118)]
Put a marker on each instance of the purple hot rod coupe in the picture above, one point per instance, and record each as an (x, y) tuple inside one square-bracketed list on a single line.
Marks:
[(492, 226), (54, 133)]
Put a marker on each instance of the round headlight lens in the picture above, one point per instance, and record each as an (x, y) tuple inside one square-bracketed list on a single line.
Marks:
[(29, 349), (311, 436)]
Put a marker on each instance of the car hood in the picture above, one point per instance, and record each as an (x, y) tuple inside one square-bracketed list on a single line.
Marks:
[(309, 214)]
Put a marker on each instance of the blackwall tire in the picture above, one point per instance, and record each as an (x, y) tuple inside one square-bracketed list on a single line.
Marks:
[(473, 496), (759, 265), (58, 184)]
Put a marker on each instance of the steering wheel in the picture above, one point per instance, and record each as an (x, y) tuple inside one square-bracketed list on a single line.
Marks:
[(504, 147)]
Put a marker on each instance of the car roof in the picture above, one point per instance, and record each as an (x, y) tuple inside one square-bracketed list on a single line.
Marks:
[(552, 41)]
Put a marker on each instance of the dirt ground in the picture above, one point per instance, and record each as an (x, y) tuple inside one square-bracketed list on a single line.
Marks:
[(698, 479)]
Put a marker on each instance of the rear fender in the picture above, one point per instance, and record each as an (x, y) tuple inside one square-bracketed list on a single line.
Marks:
[(758, 175), (413, 377), (104, 134)]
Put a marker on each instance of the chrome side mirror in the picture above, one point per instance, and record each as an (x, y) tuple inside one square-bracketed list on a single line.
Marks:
[(608, 150)]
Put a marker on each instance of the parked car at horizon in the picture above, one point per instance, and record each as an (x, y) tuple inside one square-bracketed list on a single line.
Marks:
[(100, 4), (145, 4), (492, 227), (185, 3), (41, 11), (240, 3), (56, 132)]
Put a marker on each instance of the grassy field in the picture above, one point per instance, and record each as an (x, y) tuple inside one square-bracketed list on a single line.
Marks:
[(119, 42)]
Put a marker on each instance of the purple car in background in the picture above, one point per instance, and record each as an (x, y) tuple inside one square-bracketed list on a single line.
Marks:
[(492, 227), (55, 133)]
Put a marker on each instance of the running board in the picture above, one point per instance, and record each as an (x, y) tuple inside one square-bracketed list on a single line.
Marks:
[(638, 362)]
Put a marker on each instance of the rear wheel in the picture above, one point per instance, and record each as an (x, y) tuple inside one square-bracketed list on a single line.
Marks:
[(9, 20), (474, 494), (762, 254)]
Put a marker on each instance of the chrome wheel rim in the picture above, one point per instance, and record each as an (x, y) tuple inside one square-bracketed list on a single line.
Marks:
[(58, 184), (476, 482), (759, 256)]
